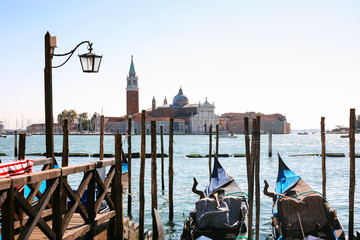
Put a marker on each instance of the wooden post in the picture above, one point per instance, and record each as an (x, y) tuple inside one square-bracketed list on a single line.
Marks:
[(102, 137), (117, 189), (210, 149), (162, 159), (59, 207), (250, 177), (129, 165), (48, 100), (65, 159), (15, 144), (8, 212), (142, 177), (352, 174), (217, 140), (22, 139), (257, 177), (153, 179), (323, 156), (270, 142), (171, 170)]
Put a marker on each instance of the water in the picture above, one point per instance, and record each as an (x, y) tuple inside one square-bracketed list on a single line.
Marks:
[(309, 168)]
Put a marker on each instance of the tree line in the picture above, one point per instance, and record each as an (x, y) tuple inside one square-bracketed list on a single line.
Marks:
[(82, 121)]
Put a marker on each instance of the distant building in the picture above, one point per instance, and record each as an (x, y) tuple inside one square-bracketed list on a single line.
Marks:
[(132, 91), (197, 117), (1, 127), (234, 122), (39, 128)]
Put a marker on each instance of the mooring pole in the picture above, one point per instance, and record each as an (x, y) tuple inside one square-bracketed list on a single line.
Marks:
[(22, 139), (15, 144), (217, 140), (117, 188), (270, 142), (250, 175), (257, 177), (210, 149), (142, 177), (153, 179), (162, 159), (352, 173), (323, 156), (65, 159), (129, 165), (171, 170)]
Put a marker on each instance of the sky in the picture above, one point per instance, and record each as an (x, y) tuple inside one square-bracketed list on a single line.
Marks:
[(297, 58)]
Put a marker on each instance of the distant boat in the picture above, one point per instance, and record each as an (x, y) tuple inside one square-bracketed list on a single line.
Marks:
[(302, 133), (345, 136), (28, 134), (3, 136), (225, 134)]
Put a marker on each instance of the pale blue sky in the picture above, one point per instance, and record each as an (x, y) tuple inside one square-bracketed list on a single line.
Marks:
[(298, 58)]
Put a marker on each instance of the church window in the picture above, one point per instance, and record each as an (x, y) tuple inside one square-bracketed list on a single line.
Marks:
[(129, 82), (134, 82)]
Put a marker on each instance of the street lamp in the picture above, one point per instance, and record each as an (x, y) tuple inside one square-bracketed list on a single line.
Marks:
[(90, 63)]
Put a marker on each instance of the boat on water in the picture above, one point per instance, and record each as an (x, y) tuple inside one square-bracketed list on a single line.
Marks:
[(3, 136), (299, 212), (221, 212), (302, 133), (225, 134)]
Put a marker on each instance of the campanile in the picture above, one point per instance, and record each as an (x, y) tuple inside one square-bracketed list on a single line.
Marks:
[(132, 91)]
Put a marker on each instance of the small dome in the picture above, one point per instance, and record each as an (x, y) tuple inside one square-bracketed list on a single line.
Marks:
[(180, 99)]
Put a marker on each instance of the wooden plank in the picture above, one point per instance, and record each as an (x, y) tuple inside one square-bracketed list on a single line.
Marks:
[(105, 163), (36, 177), (5, 183), (78, 168), (39, 162)]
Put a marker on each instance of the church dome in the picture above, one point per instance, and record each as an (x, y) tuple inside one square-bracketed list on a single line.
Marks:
[(180, 99)]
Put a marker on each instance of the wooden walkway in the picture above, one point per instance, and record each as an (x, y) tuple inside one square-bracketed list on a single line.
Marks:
[(131, 230)]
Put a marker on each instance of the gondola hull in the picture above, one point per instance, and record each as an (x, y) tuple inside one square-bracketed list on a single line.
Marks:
[(299, 212), (222, 213)]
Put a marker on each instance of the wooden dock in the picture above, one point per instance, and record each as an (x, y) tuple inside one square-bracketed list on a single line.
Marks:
[(47, 214)]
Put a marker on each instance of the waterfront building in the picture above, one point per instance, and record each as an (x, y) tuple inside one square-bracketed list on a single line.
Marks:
[(205, 117), (1, 127), (197, 117), (234, 122), (39, 128)]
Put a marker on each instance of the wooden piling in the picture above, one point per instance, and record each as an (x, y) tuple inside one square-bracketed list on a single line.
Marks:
[(15, 144), (217, 140), (270, 142), (250, 177), (257, 177), (210, 149), (352, 174), (142, 177), (323, 156), (171, 170), (117, 189), (251, 180), (102, 137), (162, 159), (22, 139), (153, 179), (65, 159), (129, 165)]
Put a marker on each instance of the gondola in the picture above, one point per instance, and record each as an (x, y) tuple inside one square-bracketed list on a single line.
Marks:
[(221, 212), (299, 212)]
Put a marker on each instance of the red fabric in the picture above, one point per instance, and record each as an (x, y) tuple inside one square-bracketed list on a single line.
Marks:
[(16, 168)]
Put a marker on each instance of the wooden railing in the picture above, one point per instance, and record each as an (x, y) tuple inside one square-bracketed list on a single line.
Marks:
[(21, 215)]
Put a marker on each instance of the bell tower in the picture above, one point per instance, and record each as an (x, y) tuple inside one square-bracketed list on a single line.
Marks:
[(132, 91)]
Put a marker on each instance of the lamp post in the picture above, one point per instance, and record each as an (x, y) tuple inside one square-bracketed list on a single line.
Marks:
[(90, 63)]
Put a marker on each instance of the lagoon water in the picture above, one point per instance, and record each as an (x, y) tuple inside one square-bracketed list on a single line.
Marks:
[(309, 168)]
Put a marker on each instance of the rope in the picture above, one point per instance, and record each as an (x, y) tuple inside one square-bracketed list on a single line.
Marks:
[(238, 237), (238, 192)]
